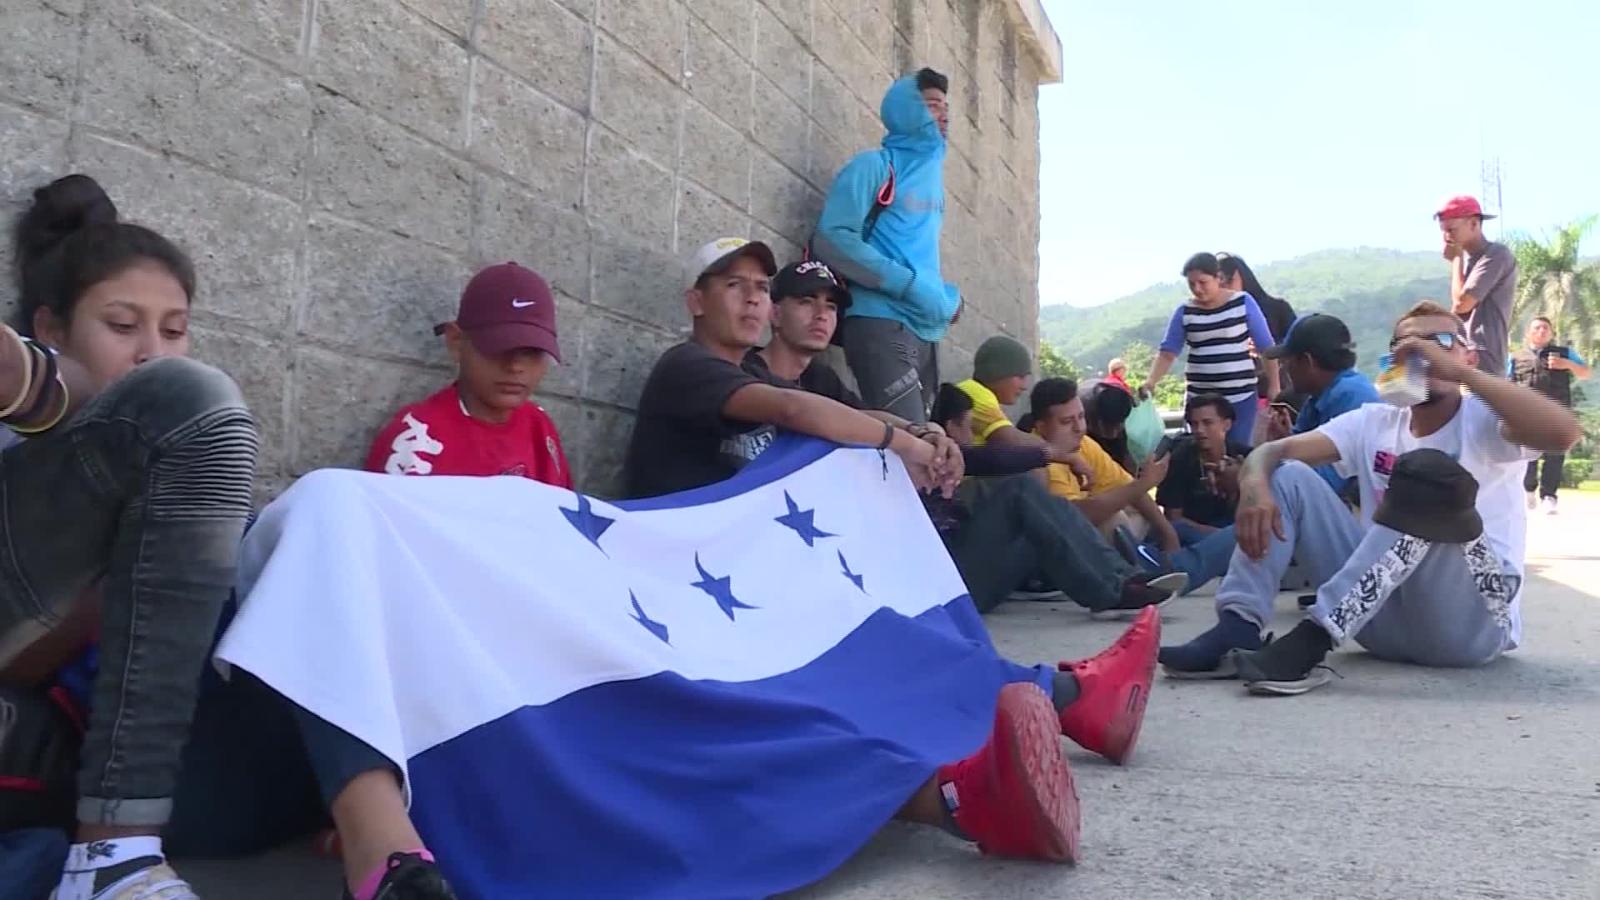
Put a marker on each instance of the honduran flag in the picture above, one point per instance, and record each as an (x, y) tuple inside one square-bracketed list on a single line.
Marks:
[(715, 694)]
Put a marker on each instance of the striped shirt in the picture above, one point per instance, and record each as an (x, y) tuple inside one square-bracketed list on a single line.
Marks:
[(1219, 346)]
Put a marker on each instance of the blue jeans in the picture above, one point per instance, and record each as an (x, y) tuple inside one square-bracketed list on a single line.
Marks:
[(259, 770), (1188, 534), (1203, 557), (1244, 421), (148, 485)]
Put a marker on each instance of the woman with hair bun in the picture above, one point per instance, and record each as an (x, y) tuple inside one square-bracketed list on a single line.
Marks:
[(134, 472)]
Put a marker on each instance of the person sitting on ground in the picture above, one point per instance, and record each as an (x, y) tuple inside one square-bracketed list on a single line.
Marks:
[(136, 473), (1015, 533), (1106, 409), (1202, 484), (1109, 495), (1105, 492), (696, 417), (1320, 357), (879, 229), (1431, 573), (1550, 369), (1218, 329), (1282, 413), (503, 340)]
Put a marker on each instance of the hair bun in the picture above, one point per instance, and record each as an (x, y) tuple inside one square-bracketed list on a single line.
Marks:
[(59, 209)]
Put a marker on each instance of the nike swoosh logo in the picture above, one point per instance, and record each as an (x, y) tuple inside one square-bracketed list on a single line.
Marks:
[(522, 304)]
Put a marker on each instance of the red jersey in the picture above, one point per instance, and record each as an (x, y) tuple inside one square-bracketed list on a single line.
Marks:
[(437, 437)]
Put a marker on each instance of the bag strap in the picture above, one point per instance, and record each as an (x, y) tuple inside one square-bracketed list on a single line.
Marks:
[(881, 202)]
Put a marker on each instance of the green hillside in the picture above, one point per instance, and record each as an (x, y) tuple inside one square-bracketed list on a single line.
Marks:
[(1365, 287)]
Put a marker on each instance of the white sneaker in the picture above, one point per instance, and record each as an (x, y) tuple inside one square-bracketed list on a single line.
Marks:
[(1533, 500), (1549, 506), (158, 882)]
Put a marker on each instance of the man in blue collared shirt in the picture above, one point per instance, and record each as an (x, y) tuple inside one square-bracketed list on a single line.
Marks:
[(1320, 358)]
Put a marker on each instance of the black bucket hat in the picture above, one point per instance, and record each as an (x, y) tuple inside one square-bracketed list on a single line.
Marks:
[(1432, 497)]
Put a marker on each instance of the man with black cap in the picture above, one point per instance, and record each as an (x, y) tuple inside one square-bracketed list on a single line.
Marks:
[(1421, 577), (1320, 358), (1483, 276)]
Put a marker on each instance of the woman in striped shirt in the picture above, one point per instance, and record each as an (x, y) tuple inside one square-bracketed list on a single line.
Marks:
[(1219, 328)]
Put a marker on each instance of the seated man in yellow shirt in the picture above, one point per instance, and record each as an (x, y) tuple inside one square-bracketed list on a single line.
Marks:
[(1101, 489), (1000, 372), (1106, 494)]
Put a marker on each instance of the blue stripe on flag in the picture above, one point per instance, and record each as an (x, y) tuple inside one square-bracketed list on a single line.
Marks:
[(664, 787)]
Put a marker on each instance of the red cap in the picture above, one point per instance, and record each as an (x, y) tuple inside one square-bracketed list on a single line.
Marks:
[(507, 307), (1461, 207)]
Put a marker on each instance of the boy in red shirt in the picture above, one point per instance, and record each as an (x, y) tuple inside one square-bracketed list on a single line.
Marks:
[(503, 340)]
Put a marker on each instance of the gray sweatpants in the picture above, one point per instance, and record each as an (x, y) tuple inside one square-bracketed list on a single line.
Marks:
[(1399, 596), (896, 371)]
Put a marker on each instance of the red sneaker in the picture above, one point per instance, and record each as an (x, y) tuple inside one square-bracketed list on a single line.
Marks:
[(1113, 688), (1015, 795)]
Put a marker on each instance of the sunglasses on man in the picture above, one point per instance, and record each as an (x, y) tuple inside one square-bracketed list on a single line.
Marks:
[(1445, 339)]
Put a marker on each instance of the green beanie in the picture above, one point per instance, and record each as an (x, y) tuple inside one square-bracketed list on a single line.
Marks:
[(1001, 357)]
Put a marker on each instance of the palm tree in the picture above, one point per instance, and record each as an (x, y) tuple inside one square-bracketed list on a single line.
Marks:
[(1553, 282)]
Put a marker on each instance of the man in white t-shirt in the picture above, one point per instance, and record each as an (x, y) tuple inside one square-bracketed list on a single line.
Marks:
[(1421, 578)]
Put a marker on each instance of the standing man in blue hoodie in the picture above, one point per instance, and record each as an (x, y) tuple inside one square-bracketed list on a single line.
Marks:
[(880, 230)]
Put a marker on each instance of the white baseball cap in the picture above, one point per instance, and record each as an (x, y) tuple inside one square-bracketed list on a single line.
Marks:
[(716, 256)]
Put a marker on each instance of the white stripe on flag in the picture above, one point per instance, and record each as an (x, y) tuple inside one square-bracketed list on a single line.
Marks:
[(410, 610)]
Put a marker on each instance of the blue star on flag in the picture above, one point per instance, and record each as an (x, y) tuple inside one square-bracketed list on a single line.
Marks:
[(651, 625), (803, 522), (589, 523), (719, 589), (858, 580)]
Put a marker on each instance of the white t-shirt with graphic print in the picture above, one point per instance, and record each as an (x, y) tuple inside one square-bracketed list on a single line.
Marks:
[(1372, 437)]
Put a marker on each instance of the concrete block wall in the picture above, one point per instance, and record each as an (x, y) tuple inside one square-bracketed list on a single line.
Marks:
[(338, 168)]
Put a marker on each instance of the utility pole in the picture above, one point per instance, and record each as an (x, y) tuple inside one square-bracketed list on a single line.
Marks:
[(1493, 194)]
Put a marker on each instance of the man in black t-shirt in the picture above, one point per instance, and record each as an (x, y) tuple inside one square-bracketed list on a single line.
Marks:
[(808, 300), (702, 417), (1202, 484)]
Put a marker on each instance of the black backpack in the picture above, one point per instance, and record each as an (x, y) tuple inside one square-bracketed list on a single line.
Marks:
[(39, 742), (880, 202)]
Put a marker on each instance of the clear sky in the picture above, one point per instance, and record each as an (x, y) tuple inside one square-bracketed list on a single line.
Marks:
[(1272, 128)]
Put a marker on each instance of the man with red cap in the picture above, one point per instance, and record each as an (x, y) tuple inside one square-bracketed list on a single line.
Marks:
[(1483, 277), (503, 340)]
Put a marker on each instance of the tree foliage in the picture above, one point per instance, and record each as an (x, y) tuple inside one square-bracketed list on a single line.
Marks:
[(1554, 282), (1053, 365), (1140, 356)]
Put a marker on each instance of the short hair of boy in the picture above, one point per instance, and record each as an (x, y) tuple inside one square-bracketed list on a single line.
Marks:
[(1215, 401), (1428, 309), (929, 79), (1051, 392), (950, 403)]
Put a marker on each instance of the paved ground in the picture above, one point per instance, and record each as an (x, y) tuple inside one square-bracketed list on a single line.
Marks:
[(1395, 782)]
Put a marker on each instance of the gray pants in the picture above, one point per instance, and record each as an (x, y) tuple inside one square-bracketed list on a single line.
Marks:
[(147, 486), (895, 370), (1400, 597)]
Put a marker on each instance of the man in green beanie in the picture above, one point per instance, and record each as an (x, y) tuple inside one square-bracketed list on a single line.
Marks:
[(1000, 373)]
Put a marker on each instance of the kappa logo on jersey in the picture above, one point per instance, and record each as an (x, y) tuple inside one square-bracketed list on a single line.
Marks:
[(555, 454), (408, 447)]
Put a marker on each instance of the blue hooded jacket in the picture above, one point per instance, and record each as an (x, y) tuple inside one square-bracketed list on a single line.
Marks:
[(895, 274)]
